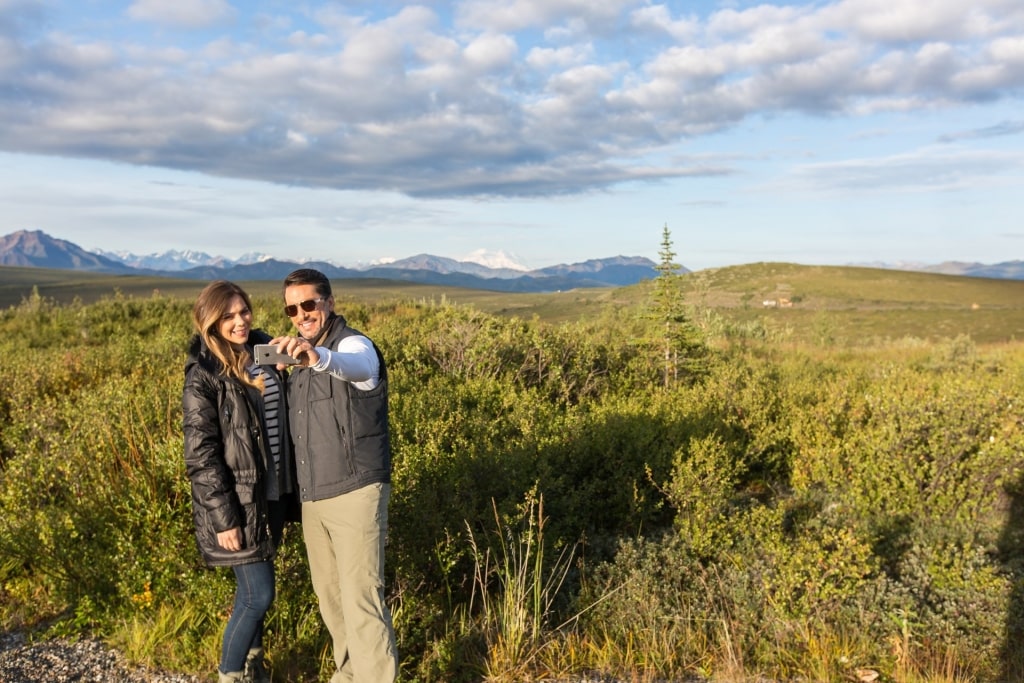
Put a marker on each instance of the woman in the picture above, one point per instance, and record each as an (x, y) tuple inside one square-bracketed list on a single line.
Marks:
[(236, 455)]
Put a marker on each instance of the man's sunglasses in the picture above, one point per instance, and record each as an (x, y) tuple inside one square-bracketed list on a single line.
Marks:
[(292, 310)]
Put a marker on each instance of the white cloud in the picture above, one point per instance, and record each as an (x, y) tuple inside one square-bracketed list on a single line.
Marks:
[(927, 169), (1009, 51), (657, 18), (300, 40), (730, 24), (544, 59), (583, 82), (399, 99), (502, 16), (904, 21), (1000, 129), (188, 14), (490, 52), (337, 22), (62, 51), (978, 80)]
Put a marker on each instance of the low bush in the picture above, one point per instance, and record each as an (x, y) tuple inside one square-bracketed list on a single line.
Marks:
[(774, 511)]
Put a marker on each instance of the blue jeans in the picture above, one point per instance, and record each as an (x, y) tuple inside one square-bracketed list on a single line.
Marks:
[(254, 593)]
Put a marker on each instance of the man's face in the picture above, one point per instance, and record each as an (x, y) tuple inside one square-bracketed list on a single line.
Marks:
[(308, 323)]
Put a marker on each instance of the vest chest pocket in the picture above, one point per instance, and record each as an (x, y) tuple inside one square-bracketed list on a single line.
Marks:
[(321, 388)]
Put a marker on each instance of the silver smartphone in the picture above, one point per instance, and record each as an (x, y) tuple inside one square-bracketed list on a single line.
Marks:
[(267, 354)]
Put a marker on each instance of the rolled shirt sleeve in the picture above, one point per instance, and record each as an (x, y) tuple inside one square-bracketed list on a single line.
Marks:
[(355, 361)]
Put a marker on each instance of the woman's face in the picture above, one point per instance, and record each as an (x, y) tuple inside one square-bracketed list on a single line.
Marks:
[(234, 325)]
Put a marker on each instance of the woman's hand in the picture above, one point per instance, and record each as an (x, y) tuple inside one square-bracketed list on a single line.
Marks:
[(230, 539)]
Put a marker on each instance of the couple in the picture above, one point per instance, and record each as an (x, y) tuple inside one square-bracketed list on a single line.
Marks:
[(256, 438)]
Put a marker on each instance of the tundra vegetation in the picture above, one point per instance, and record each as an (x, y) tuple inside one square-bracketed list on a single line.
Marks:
[(654, 491)]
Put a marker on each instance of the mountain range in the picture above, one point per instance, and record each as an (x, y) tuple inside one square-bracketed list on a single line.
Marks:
[(34, 248)]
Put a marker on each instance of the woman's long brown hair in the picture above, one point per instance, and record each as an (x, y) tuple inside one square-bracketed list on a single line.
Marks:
[(210, 306)]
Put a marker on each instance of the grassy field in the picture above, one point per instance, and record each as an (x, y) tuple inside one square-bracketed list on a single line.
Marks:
[(831, 486), (834, 304), (863, 305)]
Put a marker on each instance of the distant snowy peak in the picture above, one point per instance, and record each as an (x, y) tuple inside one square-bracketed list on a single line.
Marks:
[(173, 260), (252, 257), (498, 260), (177, 261), (443, 265)]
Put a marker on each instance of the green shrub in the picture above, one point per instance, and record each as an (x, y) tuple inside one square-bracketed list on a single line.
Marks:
[(791, 512)]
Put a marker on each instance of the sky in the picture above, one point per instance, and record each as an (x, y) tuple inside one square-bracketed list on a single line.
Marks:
[(540, 131)]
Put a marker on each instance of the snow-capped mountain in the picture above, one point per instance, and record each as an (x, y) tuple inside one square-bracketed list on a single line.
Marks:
[(481, 262), (443, 265), (171, 261), (39, 250), (498, 260), (251, 257), (175, 261)]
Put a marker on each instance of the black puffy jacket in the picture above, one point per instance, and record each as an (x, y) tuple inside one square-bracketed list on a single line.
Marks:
[(226, 457)]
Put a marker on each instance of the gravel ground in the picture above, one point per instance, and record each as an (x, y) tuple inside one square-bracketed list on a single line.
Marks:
[(61, 661), (90, 661)]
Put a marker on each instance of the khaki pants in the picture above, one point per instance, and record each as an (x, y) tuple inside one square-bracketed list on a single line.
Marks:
[(345, 542)]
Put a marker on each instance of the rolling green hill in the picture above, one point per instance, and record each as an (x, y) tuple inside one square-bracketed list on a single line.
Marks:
[(844, 305), (852, 305)]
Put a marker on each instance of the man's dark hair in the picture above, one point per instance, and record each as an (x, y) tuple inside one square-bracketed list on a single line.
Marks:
[(309, 276)]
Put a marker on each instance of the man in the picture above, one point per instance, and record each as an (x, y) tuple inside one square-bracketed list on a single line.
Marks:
[(338, 417)]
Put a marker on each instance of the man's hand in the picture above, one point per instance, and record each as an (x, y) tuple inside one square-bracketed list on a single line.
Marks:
[(298, 348)]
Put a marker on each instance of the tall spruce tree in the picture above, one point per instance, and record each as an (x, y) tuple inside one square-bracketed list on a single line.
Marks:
[(681, 346)]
